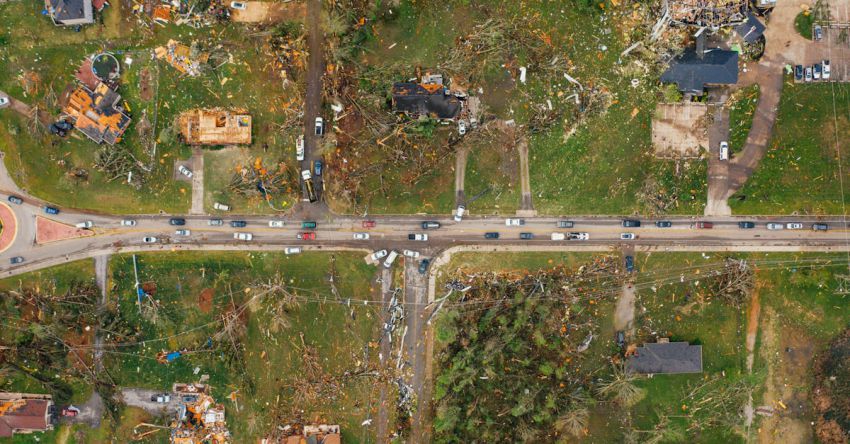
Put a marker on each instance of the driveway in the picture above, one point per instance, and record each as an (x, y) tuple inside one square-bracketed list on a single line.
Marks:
[(141, 398)]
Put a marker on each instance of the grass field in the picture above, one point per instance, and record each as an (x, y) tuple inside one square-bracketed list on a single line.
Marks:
[(742, 107)]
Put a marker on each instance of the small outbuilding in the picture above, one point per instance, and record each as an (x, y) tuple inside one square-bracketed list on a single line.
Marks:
[(665, 357)]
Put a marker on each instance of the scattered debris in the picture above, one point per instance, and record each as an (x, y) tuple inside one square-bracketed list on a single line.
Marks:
[(215, 127), (98, 113), (199, 418), (187, 60)]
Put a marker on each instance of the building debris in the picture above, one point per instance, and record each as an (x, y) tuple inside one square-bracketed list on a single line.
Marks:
[(215, 127), (187, 60), (427, 98), (199, 418), (98, 113), (312, 433), (707, 13)]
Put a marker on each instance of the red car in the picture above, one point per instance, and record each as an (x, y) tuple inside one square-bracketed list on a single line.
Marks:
[(306, 236), (368, 224), (705, 225)]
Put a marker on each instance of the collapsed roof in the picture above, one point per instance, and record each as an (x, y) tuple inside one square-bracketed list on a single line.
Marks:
[(711, 13), (215, 127), (692, 73), (98, 114), (429, 99)]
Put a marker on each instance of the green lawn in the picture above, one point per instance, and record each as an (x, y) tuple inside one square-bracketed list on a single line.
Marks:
[(492, 179), (742, 107)]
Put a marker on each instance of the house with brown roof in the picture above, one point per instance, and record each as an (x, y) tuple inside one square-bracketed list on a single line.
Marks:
[(98, 113), (24, 413), (215, 127)]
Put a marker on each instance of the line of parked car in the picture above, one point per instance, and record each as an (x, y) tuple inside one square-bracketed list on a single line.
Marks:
[(816, 72)]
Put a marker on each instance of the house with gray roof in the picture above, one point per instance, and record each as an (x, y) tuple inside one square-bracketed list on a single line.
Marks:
[(664, 357), (692, 72), (70, 12)]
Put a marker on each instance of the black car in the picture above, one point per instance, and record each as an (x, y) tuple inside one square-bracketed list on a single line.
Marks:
[(565, 224), (51, 210), (430, 224), (630, 263), (798, 73), (746, 225), (238, 223), (16, 260), (177, 221), (820, 227), (491, 235), (663, 224), (526, 236), (631, 223), (423, 265), (16, 200)]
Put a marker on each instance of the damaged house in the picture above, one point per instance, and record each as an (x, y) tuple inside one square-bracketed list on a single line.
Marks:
[(199, 418), (98, 114), (665, 357), (706, 13), (25, 413), (428, 98), (215, 127), (70, 12)]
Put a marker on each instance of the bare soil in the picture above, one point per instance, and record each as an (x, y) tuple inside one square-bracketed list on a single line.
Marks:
[(145, 90), (205, 300)]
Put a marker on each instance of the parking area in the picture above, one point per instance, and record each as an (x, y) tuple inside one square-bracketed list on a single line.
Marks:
[(835, 47)]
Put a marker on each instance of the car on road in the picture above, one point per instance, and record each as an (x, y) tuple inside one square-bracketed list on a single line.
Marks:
[(85, 224), (128, 223), (459, 213), (558, 236), (565, 224), (221, 207), (299, 148), (526, 236), (376, 256), (628, 236), (423, 265), (621, 339), (185, 171), (410, 253), (430, 225), (16, 260), (292, 250), (794, 226), (798, 73), (417, 236), (826, 69), (276, 224), (311, 224), (16, 200), (820, 227), (238, 223), (320, 126), (51, 210), (631, 223), (579, 236), (705, 225), (808, 77), (817, 71), (461, 127), (746, 225), (818, 34), (630, 263), (361, 236), (215, 222), (149, 240), (183, 232), (775, 226), (663, 224), (724, 150), (388, 262), (514, 222), (177, 221), (317, 168), (309, 235), (368, 224), (243, 236), (238, 5), (4, 101), (491, 235)]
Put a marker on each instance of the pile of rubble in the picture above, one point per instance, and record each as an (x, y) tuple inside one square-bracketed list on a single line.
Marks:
[(711, 13), (187, 60), (199, 418)]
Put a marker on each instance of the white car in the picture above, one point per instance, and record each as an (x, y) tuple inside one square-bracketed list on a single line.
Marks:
[(775, 226), (579, 236), (86, 224), (724, 151), (320, 126), (221, 207), (388, 262), (128, 223), (183, 232), (514, 222), (238, 5), (4, 101), (826, 70), (185, 171), (558, 236), (417, 237), (459, 213), (292, 250), (305, 174), (410, 253), (628, 236), (794, 226), (361, 236), (461, 127), (243, 236), (299, 148), (149, 240), (376, 256), (276, 224)]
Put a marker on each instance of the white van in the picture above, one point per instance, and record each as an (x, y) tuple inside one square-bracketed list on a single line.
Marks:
[(388, 262), (292, 250), (558, 236), (299, 148), (724, 151)]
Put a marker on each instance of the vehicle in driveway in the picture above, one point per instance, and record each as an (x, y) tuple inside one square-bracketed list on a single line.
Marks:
[(320, 126), (369, 224), (85, 224), (221, 207), (514, 222), (630, 264), (526, 236), (663, 224), (309, 224), (299, 148), (215, 222), (628, 236), (4, 101), (238, 5), (430, 225), (459, 213), (183, 232), (417, 236), (376, 256), (177, 221), (746, 225), (238, 224), (388, 262), (724, 150), (558, 236), (410, 253), (423, 265), (775, 226), (705, 225), (818, 33), (808, 76), (820, 227), (16, 260), (243, 236), (826, 69), (149, 240), (317, 168), (631, 223), (128, 223), (306, 236), (565, 224), (621, 339), (51, 210), (798, 73), (794, 226), (491, 235), (185, 171), (361, 236), (461, 127), (16, 200), (276, 224), (816, 71), (292, 250)]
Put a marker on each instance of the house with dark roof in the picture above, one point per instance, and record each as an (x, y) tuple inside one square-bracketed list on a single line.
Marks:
[(425, 99), (24, 413), (692, 72), (70, 12), (664, 357)]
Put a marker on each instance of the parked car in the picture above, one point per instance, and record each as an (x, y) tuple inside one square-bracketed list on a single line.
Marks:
[(4, 101), (128, 223), (85, 224), (276, 224), (317, 168), (410, 253), (461, 127), (775, 226), (514, 222), (51, 210), (16, 260), (818, 34), (816, 70), (243, 236), (368, 224), (459, 213), (320, 126), (628, 236), (631, 223), (221, 207), (746, 225), (794, 226), (292, 250), (430, 225), (579, 236), (185, 171), (565, 224), (378, 255), (663, 224), (558, 236), (826, 69), (417, 236), (215, 222), (630, 264), (526, 236), (491, 235), (361, 236), (306, 236), (238, 5), (299, 148), (177, 221), (724, 150), (820, 227), (808, 76), (16, 200), (705, 225), (70, 412), (309, 224), (423, 265), (183, 232), (798, 73), (149, 240), (388, 262), (238, 224)]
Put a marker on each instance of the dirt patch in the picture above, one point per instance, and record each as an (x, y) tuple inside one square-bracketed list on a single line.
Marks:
[(78, 357), (149, 288), (145, 90), (205, 300), (752, 326), (269, 12), (679, 130)]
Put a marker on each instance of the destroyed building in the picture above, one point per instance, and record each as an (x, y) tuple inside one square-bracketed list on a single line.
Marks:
[(70, 12), (215, 127), (308, 434), (426, 98), (706, 13), (665, 357), (697, 69), (98, 113), (25, 413), (187, 60), (199, 418)]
